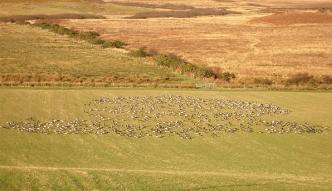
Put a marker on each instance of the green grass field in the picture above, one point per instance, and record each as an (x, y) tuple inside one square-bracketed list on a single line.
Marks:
[(34, 56), (67, 73), (230, 162)]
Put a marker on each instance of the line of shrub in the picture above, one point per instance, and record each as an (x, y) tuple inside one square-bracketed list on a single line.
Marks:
[(172, 61), (156, 6), (141, 52), (305, 79), (89, 36), (178, 64), (325, 10), (48, 79), (24, 18), (195, 12), (226, 76)]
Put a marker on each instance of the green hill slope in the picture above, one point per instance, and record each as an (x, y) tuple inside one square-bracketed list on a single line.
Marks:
[(32, 56)]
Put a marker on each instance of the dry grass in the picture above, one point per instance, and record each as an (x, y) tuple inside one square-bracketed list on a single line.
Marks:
[(23, 18), (294, 4), (161, 4), (243, 6), (255, 52), (248, 50), (197, 12), (155, 6), (291, 18), (54, 7)]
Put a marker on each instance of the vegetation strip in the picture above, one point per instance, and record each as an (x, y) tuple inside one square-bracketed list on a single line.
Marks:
[(172, 61), (179, 64), (196, 12), (89, 36), (155, 6), (174, 172), (24, 18)]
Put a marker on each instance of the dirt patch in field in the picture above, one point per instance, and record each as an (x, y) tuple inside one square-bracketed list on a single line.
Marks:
[(295, 18)]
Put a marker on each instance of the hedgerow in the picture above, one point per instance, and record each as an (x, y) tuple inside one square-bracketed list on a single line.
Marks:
[(88, 36), (178, 64)]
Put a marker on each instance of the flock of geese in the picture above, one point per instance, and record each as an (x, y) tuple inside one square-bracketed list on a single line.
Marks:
[(169, 115)]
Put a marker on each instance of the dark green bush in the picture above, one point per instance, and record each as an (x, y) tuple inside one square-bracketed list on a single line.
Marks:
[(107, 44), (138, 53), (113, 44), (325, 10), (179, 64), (263, 81), (170, 60), (300, 78), (89, 36), (227, 76), (57, 29), (43, 25), (326, 79), (97, 41), (24, 18), (117, 44), (152, 52)]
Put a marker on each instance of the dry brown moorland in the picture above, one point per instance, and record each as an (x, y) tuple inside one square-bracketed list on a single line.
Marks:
[(267, 42), (268, 39)]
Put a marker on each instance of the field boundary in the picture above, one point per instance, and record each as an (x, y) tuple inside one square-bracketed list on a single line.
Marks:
[(267, 176)]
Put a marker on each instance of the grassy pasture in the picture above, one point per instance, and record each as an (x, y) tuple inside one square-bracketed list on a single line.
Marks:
[(34, 56), (232, 161), (30, 56)]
